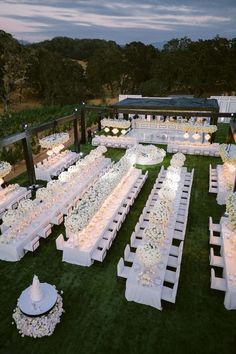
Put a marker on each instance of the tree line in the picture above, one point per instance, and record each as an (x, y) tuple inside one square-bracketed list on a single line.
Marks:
[(66, 71)]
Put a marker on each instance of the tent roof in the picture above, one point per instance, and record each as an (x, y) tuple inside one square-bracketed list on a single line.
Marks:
[(171, 104)]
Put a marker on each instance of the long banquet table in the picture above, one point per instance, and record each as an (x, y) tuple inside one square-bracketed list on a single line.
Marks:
[(10, 199), (14, 250), (151, 295), (228, 252), (205, 149), (223, 189), (99, 224), (56, 164)]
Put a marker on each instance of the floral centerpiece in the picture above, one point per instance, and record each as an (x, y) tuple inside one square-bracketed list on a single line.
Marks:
[(95, 196), (154, 234), (115, 123), (187, 127), (9, 189), (226, 158), (5, 168), (149, 254), (146, 154), (178, 160), (160, 213), (167, 193), (54, 140), (231, 210)]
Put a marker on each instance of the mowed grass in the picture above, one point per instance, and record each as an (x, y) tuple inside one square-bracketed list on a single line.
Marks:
[(98, 318)]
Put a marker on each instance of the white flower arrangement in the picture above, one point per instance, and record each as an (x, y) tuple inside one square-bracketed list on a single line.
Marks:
[(39, 326), (145, 279), (54, 140), (174, 170), (187, 127), (5, 168), (178, 160), (95, 196), (145, 154), (115, 123), (8, 190), (11, 217), (170, 184), (167, 194), (148, 254), (226, 158), (160, 213), (231, 210), (154, 234)]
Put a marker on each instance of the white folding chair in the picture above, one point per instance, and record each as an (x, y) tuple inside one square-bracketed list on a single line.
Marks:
[(214, 227), (175, 250), (215, 240), (216, 261), (128, 255), (99, 254), (60, 242), (134, 242), (169, 294), (122, 270), (217, 283), (171, 276)]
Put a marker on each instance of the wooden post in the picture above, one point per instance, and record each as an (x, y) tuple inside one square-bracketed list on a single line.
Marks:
[(76, 131), (82, 125), (213, 121), (29, 158), (99, 121)]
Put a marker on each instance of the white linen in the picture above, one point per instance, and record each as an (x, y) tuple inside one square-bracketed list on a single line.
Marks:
[(14, 250), (99, 224), (114, 141), (194, 148), (223, 190), (11, 198), (228, 252), (55, 164), (151, 295)]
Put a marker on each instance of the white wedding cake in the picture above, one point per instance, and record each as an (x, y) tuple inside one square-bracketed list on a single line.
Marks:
[(36, 293)]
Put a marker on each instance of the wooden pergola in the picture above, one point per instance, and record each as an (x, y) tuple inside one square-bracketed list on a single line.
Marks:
[(78, 117)]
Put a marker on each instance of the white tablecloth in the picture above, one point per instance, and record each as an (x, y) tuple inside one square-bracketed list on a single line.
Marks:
[(151, 295), (212, 149), (50, 167), (14, 251), (7, 201), (222, 187), (228, 252), (82, 255)]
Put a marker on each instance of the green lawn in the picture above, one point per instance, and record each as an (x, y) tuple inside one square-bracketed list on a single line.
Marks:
[(98, 319)]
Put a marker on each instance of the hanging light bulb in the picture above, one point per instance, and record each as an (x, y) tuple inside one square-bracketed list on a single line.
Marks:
[(207, 137), (49, 152), (123, 131), (107, 130), (196, 136), (186, 135), (115, 131)]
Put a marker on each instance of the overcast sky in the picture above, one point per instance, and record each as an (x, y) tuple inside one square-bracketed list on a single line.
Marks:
[(121, 20)]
